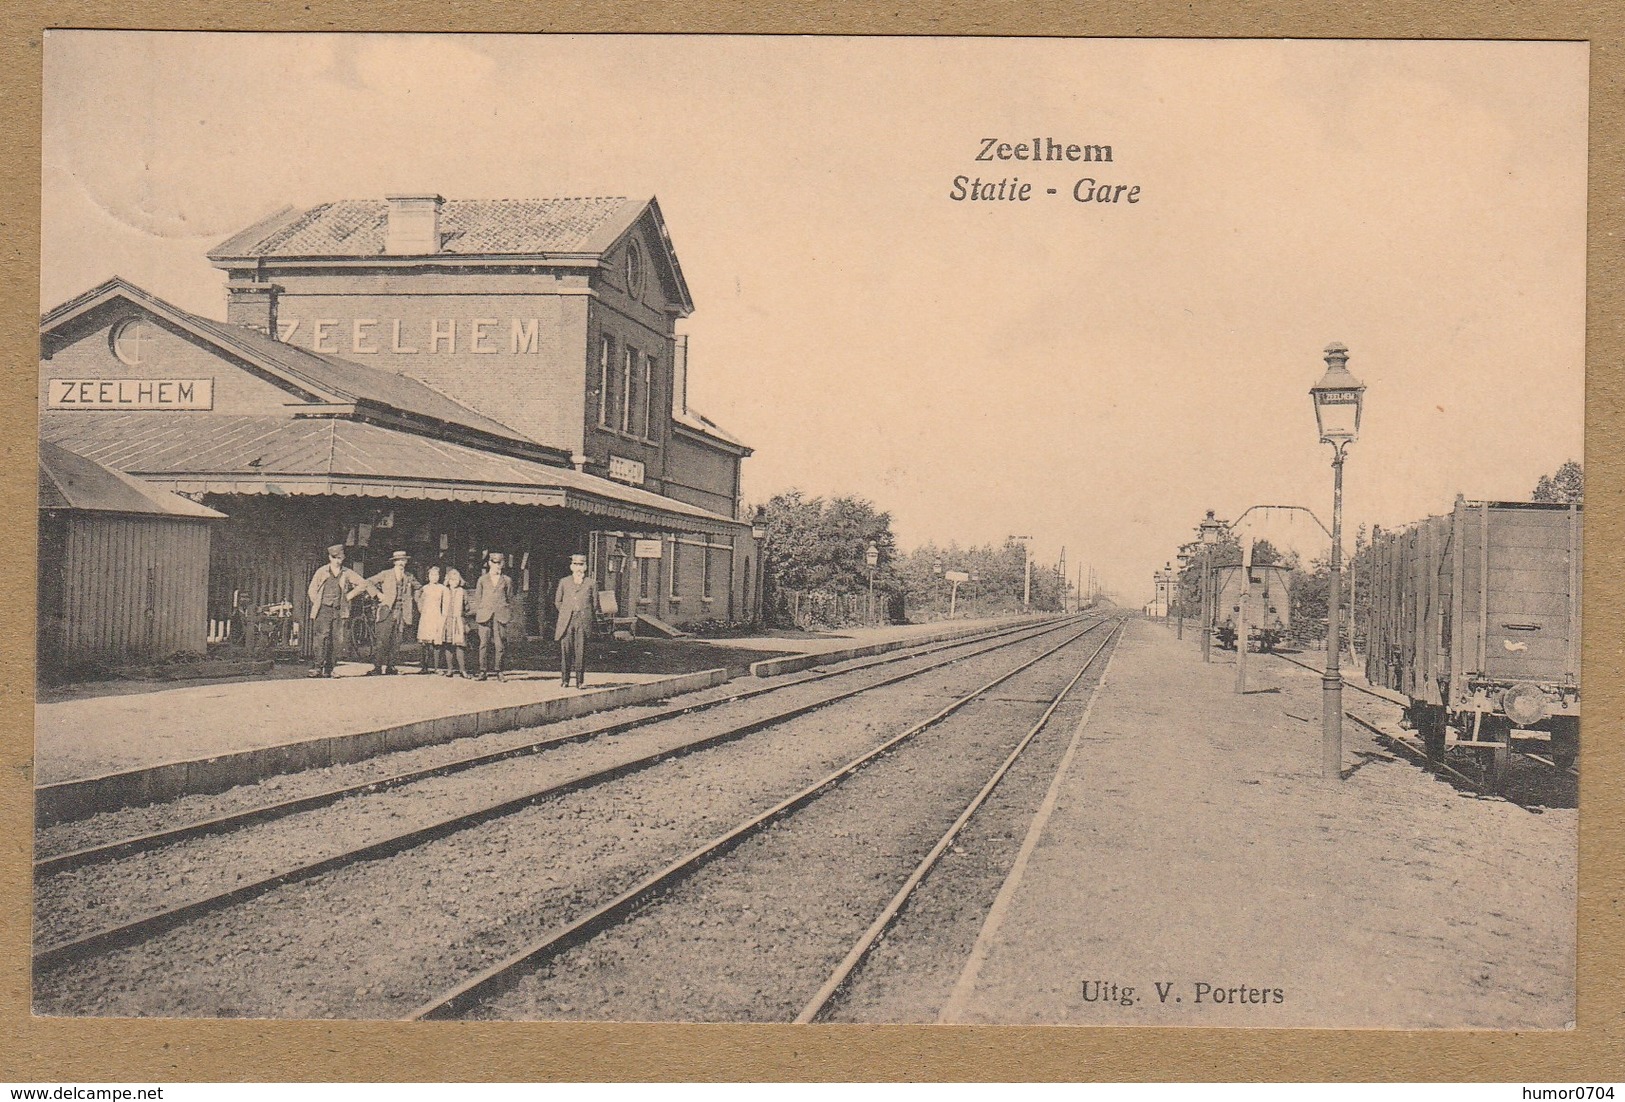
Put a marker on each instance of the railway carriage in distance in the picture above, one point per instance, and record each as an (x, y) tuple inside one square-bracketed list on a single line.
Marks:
[(1475, 618), (1269, 607)]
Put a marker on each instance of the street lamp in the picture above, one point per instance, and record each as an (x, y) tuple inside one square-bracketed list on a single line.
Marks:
[(1338, 399), (872, 557), (1210, 529), (1184, 561)]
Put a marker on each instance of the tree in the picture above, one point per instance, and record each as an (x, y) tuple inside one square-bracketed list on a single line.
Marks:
[(1000, 573), (1566, 484), (813, 544)]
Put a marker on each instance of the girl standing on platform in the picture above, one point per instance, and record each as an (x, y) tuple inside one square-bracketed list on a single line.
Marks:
[(454, 639), (432, 620)]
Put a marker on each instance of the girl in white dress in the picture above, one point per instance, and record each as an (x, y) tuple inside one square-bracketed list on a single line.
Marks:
[(431, 620)]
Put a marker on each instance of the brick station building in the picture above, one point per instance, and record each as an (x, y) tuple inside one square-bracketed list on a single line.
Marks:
[(441, 377)]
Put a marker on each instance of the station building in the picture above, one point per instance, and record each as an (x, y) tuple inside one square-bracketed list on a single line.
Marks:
[(442, 377)]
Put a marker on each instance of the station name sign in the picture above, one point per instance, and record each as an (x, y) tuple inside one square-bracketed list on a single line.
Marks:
[(626, 470), (177, 394), (427, 336)]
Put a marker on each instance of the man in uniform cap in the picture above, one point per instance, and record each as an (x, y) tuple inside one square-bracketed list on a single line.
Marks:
[(577, 604), (397, 593), (493, 609), (331, 588)]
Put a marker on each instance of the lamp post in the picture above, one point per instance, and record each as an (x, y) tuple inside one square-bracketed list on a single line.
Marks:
[(872, 557), (936, 572), (758, 532), (1210, 529), (1184, 561), (1338, 399)]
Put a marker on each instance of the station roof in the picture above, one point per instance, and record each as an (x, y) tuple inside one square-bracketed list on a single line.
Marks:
[(698, 422), (221, 454), (577, 227), (322, 379), (468, 227), (68, 480)]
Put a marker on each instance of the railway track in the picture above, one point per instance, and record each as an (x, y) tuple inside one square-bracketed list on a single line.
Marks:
[(144, 841), (1412, 747), (660, 888), (86, 945)]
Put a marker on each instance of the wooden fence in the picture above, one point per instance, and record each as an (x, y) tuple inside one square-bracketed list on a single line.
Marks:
[(816, 608)]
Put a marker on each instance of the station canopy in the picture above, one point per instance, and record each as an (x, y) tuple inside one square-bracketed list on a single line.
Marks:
[(218, 454)]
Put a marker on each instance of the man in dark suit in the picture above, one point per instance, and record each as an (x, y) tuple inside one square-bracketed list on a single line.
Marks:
[(397, 592), (330, 591), (577, 605), (493, 609)]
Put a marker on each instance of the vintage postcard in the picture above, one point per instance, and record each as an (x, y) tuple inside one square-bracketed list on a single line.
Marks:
[(749, 529)]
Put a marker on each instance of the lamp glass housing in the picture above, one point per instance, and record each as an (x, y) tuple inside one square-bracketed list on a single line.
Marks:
[(1338, 399)]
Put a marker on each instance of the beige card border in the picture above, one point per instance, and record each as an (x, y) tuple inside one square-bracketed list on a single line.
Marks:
[(68, 1050)]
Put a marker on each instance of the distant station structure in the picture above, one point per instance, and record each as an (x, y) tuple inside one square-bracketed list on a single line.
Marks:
[(441, 377)]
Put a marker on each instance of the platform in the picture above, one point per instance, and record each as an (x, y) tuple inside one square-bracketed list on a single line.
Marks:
[(1190, 840), (117, 744)]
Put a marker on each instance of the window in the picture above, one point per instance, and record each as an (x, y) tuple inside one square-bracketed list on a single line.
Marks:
[(634, 269), (605, 355), (676, 567), (648, 396), (133, 341), (645, 579), (629, 361), (705, 578)]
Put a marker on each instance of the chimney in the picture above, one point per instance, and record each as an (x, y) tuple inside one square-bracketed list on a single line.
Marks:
[(412, 227), (252, 305), (679, 375)]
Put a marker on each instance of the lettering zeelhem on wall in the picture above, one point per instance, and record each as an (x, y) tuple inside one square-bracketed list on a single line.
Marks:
[(97, 394), (396, 336)]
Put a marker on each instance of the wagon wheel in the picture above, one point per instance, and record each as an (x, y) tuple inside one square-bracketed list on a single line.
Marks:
[(1565, 743), (1432, 725), (1497, 759)]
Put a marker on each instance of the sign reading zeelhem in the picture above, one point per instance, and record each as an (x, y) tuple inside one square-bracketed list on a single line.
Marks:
[(130, 394)]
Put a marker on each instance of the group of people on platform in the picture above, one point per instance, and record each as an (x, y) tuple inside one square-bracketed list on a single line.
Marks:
[(438, 615)]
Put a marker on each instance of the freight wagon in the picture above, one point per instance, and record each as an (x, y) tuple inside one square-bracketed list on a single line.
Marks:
[(1475, 618), (1269, 609)]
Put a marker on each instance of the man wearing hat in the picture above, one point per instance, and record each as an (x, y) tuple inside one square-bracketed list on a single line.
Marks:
[(577, 604), (330, 591), (493, 609), (397, 593)]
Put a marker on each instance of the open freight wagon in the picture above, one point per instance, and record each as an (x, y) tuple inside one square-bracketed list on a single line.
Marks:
[(1475, 618)]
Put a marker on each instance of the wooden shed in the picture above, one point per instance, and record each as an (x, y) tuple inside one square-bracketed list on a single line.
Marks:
[(123, 566)]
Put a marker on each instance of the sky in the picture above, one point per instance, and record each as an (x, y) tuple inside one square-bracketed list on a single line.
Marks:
[(1095, 375)]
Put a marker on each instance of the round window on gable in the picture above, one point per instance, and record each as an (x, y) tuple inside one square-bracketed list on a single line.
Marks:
[(134, 342), (634, 269)]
